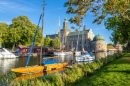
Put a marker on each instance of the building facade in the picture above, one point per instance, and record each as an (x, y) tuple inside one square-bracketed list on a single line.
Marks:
[(81, 40), (84, 40)]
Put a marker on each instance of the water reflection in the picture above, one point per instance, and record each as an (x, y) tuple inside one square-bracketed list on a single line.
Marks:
[(39, 74), (7, 64), (66, 58)]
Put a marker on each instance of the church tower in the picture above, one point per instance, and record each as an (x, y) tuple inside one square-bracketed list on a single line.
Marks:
[(65, 24), (64, 32)]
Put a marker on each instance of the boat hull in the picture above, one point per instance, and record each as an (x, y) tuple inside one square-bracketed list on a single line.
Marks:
[(39, 68), (5, 54), (77, 53), (84, 58), (61, 53)]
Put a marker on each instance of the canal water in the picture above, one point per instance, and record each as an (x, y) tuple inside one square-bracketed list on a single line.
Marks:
[(7, 64)]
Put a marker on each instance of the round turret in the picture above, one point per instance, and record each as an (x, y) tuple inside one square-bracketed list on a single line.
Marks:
[(98, 37)]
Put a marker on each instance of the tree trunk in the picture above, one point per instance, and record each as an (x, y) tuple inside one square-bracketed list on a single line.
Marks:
[(128, 46)]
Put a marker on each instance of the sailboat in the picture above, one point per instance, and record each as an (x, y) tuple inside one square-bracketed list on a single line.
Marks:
[(42, 66), (61, 53), (77, 53), (87, 56)]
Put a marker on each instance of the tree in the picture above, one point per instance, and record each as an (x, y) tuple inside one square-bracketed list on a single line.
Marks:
[(100, 8), (47, 42), (76, 30), (23, 31), (57, 42), (51, 43), (4, 33), (121, 30)]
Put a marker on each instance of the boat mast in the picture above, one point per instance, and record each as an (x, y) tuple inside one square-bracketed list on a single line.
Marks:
[(83, 36), (42, 33), (59, 32), (65, 39)]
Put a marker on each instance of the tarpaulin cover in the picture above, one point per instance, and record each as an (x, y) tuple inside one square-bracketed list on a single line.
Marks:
[(50, 62)]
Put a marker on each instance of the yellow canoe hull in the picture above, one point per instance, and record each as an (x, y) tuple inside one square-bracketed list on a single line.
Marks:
[(39, 68)]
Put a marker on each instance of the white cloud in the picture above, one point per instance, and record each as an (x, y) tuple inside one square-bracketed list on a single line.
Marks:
[(13, 6)]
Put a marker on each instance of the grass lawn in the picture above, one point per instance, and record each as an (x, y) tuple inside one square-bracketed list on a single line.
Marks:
[(116, 73)]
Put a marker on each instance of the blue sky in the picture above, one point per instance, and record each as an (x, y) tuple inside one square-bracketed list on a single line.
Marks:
[(53, 10)]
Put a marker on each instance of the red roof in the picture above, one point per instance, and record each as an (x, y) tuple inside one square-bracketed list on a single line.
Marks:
[(39, 47)]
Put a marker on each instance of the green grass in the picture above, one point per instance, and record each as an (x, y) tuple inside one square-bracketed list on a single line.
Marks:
[(116, 73)]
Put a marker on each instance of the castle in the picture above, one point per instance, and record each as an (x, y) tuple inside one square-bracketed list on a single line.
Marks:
[(87, 40)]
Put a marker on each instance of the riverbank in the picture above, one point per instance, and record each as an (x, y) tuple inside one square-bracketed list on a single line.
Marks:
[(72, 76), (115, 73)]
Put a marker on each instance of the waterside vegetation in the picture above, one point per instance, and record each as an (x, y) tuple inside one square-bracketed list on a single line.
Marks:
[(77, 74), (116, 73)]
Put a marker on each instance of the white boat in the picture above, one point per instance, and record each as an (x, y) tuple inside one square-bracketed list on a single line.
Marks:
[(85, 58), (61, 53), (6, 54), (77, 53)]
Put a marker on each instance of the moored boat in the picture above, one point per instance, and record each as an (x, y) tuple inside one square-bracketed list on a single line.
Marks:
[(85, 58), (6, 54), (77, 53), (45, 66), (61, 53)]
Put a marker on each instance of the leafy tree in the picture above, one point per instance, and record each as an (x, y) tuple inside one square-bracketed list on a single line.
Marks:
[(4, 33), (57, 42), (23, 31), (100, 8), (51, 43), (121, 30), (76, 30), (47, 41)]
